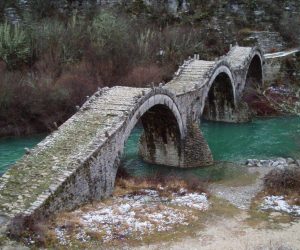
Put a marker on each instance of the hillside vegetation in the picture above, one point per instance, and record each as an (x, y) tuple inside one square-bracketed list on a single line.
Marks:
[(55, 53)]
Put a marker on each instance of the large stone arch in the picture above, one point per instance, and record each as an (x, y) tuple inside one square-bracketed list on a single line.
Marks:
[(219, 100), (150, 101), (164, 129)]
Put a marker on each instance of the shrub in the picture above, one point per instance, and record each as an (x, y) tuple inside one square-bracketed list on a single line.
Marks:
[(27, 228), (109, 34), (46, 37), (14, 45), (44, 8), (74, 40), (144, 75), (147, 43), (170, 183), (283, 181)]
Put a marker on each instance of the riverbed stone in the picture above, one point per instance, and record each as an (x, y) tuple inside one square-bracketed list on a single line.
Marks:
[(281, 160), (293, 166), (290, 160)]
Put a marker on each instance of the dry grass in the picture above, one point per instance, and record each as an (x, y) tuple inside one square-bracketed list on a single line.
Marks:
[(144, 75), (164, 184), (283, 181)]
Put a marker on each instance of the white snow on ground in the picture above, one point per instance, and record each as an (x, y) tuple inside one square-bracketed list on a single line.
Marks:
[(193, 200), (137, 214), (278, 203), (61, 236)]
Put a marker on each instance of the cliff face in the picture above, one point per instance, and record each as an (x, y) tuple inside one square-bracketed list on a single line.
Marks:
[(173, 6)]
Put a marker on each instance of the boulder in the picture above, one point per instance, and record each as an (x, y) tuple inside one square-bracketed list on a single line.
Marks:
[(290, 160)]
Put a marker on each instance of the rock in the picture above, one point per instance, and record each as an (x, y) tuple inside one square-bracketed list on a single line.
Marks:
[(3, 220), (275, 164), (280, 166), (298, 162), (281, 160), (266, 163), (290, 160), (27, 151), (250, 162), (293, 166), (275, 214)]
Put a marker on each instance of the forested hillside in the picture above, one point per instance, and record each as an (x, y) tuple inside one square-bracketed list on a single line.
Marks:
[(54, 53)]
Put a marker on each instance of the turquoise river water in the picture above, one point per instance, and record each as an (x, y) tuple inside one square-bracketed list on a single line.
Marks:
[(230, 145)]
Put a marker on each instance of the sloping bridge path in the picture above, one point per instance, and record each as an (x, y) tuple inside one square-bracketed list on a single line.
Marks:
[(78, 162)]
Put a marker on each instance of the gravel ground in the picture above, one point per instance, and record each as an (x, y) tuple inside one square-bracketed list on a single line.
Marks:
[(234, 233), (241, 196)]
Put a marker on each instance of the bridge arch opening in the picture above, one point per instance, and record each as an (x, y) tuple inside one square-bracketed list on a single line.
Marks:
[(220, 101), (162, 131), (253, 80), (160, 141), (254, 77)]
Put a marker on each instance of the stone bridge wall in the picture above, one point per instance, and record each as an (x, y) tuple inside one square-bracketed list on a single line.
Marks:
[(79, 161)]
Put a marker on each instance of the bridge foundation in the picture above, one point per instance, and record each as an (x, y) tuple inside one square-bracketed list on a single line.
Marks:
[(196, 152), (160, 144)]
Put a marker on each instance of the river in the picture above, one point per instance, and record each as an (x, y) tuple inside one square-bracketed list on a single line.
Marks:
[(231, 144)]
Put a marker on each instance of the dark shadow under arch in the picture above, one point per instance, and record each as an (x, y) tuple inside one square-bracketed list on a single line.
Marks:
[(253, 82), (219, 104), (160, 142), (254, 77)]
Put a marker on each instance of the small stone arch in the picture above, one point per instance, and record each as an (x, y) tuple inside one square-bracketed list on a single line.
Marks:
[(253, 77), (254, 71), (219, 100)]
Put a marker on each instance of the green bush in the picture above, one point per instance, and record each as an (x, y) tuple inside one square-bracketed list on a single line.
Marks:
[(146, 43), (45, 8), (14, 45), (46, 36), (65, 40), (74, 41), (109, 35)]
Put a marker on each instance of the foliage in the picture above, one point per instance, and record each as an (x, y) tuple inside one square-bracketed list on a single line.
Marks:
[(14, 45), (75, 39), (62, 50), (146, 40), (55, 37), (46, 36), (284, 181), (45, 8), (109, 35)]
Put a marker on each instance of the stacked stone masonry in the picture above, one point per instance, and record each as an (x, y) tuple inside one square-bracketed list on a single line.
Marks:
[(78, 162)]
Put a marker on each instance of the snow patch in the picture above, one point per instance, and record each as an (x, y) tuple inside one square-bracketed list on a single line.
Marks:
[(278, 203), (136, 214)]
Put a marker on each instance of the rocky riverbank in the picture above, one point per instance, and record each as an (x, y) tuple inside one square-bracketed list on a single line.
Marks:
[(144, 213), (279, 163)]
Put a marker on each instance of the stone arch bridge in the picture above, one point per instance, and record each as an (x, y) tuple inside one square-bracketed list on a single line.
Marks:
[(78, 162)]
